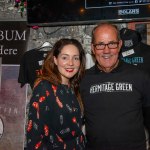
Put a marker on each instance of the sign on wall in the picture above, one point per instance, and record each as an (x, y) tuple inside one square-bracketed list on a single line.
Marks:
[(12, 110), (13, 41)]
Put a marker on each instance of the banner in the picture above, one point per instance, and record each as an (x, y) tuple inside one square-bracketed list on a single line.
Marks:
[(12, 110), (13, 41), (14, 37)]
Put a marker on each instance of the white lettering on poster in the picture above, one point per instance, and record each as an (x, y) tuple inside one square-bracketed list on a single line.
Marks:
[(12, 35), (4, 51), (128, 11)]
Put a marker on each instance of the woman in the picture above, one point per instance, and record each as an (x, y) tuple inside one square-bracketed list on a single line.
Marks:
[(55, 113)]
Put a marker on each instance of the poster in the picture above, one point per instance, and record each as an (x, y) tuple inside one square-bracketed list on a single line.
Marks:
[(13, 41), (14, 37), (12, 110)]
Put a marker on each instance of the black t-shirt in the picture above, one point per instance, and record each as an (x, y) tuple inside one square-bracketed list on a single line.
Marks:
[(113, 107), (138, 56), (30, 66), (133, 50)]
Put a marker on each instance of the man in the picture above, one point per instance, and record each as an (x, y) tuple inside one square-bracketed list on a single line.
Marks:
[(116, 97)]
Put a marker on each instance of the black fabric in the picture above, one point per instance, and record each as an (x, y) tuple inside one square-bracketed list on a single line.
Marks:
[(55, 119), (30, 66), (130, 38), (140, 58), (113, 107), (111, 148), (146, 113), (133, 51)]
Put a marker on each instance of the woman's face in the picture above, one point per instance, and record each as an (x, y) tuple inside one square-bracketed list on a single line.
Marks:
[(68, 62)]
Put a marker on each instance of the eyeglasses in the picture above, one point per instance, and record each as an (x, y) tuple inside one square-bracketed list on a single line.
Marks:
[(111, 45)]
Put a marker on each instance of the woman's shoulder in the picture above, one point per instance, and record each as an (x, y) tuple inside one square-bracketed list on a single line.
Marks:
[(42, 84)]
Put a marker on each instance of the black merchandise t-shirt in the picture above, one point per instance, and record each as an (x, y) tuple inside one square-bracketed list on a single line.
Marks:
[(138, 56), (113, 107), (30, 66), (133, 50)]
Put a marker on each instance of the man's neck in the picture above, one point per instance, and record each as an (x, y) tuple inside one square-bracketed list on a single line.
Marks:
[(107, 70)]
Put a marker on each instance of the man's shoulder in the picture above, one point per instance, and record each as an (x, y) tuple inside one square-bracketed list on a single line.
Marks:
[(90, 70), (87, 77)]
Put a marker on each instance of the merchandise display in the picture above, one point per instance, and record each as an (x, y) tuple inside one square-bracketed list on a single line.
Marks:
[(133, 50), (30, 66)]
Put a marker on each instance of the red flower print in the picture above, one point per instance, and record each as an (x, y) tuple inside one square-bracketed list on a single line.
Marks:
[(65, 146), (74, 120), (29, 125), (47, 93), (36, 106), (37, 146), (81, 138), (46, 130), (59, 138), (73, 133), (59, 102), (54, 89), (41, 99)]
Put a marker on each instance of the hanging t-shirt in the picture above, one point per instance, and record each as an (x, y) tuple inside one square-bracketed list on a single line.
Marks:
[(30, 66), (134, 51)]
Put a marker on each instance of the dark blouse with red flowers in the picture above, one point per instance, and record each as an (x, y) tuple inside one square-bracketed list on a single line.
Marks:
[(54, 120)]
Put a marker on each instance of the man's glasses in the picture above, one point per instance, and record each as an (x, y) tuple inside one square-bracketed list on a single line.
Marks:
[(111, 45)]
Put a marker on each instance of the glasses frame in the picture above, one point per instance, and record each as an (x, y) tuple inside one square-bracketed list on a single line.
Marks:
[(108, 45)]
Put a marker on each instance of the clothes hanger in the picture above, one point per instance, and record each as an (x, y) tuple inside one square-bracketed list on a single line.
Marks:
[(45, 46)]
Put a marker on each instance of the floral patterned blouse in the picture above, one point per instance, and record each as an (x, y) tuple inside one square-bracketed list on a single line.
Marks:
[(54, 120)]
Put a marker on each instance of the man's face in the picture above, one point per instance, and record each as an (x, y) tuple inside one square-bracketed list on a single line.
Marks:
[(106, 55)]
